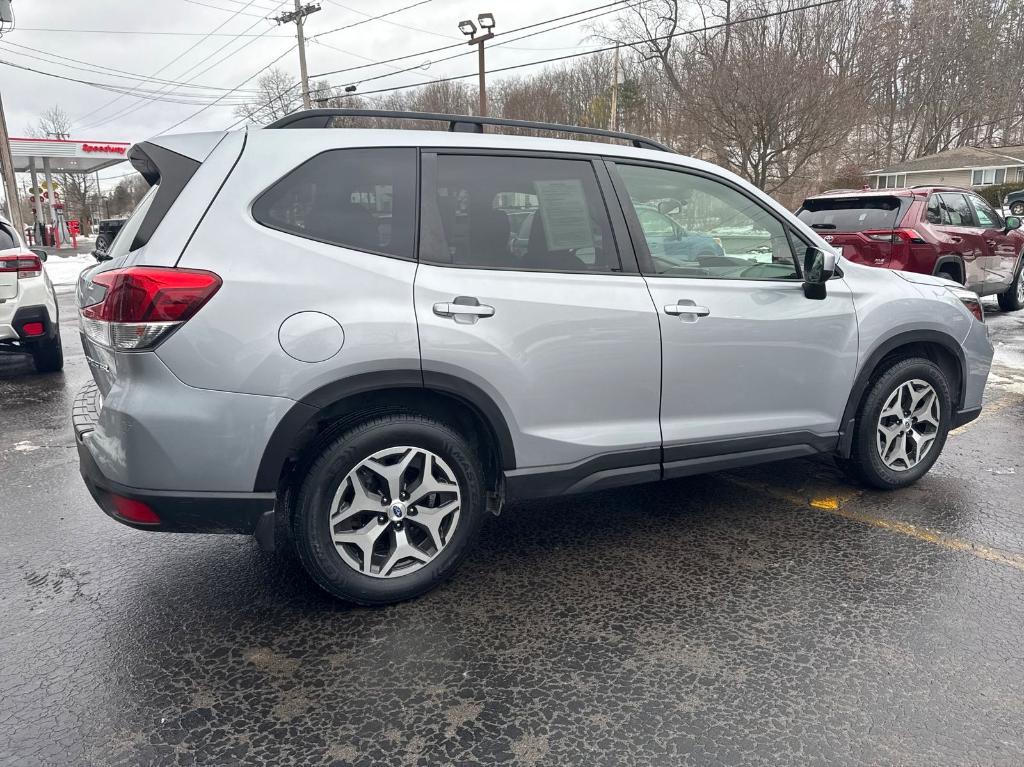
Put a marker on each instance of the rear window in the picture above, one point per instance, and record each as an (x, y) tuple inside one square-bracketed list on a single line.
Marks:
[(125, 238), (853, 214), (356, 198), (7, 239)]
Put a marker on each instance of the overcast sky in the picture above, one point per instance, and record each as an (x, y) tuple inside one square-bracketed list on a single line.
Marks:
[(102, 115)]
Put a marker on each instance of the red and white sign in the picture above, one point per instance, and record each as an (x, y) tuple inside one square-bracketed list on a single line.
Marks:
[(107, 148)]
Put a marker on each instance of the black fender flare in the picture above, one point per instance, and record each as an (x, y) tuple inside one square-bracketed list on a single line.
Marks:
[(306, 411), (887, 346)]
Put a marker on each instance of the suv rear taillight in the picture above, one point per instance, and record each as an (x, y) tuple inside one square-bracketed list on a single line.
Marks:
[(25, 264), (894, 235), (143, 304)]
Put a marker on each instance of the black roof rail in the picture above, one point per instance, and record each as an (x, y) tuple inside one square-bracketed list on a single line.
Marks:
[(321, 118)]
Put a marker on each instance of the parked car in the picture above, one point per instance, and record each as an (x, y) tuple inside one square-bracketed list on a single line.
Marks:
[(108, 230), (28, 303), (1014, 201), (945, 231), (269, 359)]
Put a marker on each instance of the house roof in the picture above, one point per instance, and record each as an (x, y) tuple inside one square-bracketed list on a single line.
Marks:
[(961, 157)]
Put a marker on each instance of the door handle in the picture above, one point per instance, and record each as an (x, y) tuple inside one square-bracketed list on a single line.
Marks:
[(685, 306), (954, 239), (463, 309)]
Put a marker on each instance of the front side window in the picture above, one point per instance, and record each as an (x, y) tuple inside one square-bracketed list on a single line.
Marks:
[(955, 209), (362, 199), (986, 216), (717, 231), (526, 213)]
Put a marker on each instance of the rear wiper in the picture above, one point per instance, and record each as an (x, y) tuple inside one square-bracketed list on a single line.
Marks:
[(823, 226)]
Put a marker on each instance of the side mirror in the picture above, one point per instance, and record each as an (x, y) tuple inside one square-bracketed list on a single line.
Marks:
[(1011, 223), (42, 253), (819, 267)]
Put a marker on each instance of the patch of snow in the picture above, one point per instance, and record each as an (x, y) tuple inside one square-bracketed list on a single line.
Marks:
[(63, 271), (25, 447)]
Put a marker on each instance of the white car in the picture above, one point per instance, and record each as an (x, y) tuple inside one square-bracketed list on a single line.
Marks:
[(28, 303)]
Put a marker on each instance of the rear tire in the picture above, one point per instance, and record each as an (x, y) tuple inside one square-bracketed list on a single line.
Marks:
[(356, 555), (949, 275), (102, 243), (878, 439), (48, 355), (1017, 208), (1012, 299)]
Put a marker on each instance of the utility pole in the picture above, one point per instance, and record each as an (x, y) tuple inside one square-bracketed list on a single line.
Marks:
[(614, 117), (468, 28), (298, 16), (7, 171)]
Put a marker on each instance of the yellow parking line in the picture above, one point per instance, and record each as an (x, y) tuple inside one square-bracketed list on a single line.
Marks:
[(834, 505)]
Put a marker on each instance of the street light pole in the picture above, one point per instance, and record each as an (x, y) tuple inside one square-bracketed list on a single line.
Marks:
[(468, 28), (298, 16)]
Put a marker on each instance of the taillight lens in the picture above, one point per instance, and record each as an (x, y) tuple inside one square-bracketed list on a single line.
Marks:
[(894, 235), (971, 301), (26, 265), (143, 304)]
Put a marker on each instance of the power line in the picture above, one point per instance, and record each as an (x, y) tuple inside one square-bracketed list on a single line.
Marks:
[(463, 45), (136, 32), (225, 10), (368, 20), (511, 40), (102, 86), (92, 67), (707, 28), (202, 72), (615, 6), (177, 58), (250, 77)]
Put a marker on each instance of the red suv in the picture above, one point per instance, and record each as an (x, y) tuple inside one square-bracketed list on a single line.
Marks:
[(939, 230)]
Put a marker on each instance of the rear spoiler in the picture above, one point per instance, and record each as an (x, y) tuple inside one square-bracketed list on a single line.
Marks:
[(171, 171)]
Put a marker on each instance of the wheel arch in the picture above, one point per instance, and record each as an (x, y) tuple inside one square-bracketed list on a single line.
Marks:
[(954, 261), (326, 411), (940, 348)]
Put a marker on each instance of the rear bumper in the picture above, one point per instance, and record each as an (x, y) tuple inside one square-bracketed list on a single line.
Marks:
[(178, 512), (14, 330)]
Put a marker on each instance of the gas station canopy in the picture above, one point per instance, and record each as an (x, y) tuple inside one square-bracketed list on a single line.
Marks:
[(66, 155)]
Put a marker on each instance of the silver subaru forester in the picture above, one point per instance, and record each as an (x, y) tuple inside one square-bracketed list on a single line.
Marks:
[(355, 343)]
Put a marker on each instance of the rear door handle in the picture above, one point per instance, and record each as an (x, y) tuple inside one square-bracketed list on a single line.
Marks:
[(463, 309), (685, 306), (954, 238)]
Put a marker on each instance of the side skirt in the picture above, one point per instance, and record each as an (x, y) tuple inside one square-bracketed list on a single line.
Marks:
[(634, 467)]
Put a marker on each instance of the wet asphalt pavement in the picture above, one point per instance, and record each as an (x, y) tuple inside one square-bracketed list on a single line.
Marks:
[(776, 615)]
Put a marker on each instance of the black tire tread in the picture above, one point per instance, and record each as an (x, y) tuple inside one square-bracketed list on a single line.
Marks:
[(469, 465), (1008, 298), (860, 465)]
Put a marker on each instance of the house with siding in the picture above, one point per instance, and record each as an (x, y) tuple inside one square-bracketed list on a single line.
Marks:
[(965, 166)]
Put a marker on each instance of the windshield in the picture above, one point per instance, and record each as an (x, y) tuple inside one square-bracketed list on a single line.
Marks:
[(122, 243), (853, 214)]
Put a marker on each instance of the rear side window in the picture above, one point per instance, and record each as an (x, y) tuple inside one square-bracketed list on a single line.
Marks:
[(528, 213), (7, 239), (362, 199), (853, 214)]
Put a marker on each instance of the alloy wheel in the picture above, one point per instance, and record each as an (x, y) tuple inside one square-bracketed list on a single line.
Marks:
[(1020, 288), (908, 425), (395, 512)]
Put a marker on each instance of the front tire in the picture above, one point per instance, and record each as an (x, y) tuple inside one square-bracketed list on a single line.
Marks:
[(389, 509), (901, 425), (48, 355), (1012, 299)]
